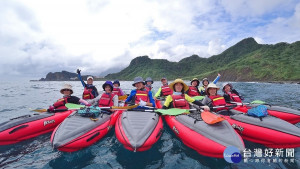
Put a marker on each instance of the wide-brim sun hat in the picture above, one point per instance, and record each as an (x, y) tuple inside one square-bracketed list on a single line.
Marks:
[(195, 79), (117, 82), (138, 80), (149, 79), (225, 84), (108, 83), (66, 86), (211, 85), (205, 79), (163, 78), (172, 85)]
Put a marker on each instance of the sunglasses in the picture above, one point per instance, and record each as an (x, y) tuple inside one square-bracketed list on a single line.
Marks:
[(66, 90)]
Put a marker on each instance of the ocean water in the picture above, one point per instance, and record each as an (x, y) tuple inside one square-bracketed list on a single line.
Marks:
[(18, 97)]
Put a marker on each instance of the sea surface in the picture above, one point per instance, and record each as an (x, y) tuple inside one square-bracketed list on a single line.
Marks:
[(18, 97)]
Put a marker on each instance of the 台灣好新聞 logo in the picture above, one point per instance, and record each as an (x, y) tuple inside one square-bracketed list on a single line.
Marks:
[(232, 154)]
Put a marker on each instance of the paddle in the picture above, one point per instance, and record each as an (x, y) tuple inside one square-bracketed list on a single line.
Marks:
[(124, 97), (172, 111), (210, 118), (207, 117), (77, 106), (45, 110), (198, 97), (234, 104), (258, 102)]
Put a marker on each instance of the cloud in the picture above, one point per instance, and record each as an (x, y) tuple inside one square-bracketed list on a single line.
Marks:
[(98, 35)]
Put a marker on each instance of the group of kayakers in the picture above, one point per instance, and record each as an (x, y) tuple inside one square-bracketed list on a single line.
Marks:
[(176, 95)]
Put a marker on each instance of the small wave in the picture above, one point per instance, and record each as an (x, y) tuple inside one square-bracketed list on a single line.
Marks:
[(6, 110)]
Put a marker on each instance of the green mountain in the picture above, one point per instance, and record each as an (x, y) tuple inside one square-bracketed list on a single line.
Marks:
[(245, 61)]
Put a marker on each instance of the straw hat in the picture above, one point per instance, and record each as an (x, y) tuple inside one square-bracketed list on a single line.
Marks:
[(185, 87), (195, 79), (66, 86)]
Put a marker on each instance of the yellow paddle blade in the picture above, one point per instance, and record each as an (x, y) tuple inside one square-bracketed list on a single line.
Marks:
[(123, 97), (125, 107), (40, 110)]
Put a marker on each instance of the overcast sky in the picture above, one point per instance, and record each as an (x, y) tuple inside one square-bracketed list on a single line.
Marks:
[(41, 36)]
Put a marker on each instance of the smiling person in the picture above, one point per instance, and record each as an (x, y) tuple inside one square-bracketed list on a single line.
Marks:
[(140, 95), (107, 99), (67, 91), (117, 90), (148, 83), (90, 91), (164, 90), (205, 83), (230, 94), (193, 89), (213, 99), (179, 99)]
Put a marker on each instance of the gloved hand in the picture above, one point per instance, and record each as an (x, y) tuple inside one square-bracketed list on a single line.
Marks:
[(142, 103), (50, 109), (78, 71)]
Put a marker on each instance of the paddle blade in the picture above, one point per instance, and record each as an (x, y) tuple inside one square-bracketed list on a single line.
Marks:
[(211, 118), (172, 111), (258, 102), (125, 107), (198, 97), (74, 106), (123, 97), (40, 110)]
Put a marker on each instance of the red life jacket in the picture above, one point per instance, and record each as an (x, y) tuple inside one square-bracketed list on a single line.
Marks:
[(218, 101), (117, 91), (106, 100), (60, 103), (87, 94), (141, 94), (234, 97), (165, 90), (180, 102), (193, 91), (148, 88)]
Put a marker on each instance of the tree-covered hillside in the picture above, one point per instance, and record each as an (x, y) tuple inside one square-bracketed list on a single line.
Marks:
[(245, 61)]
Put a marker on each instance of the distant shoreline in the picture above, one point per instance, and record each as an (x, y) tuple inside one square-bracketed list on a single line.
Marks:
[(276, 82)]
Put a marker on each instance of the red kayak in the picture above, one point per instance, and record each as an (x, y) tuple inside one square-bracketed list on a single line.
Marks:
[(29, 126), (269, 131), (138, 130), (77, 132), (207, 139), (287, 114)]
